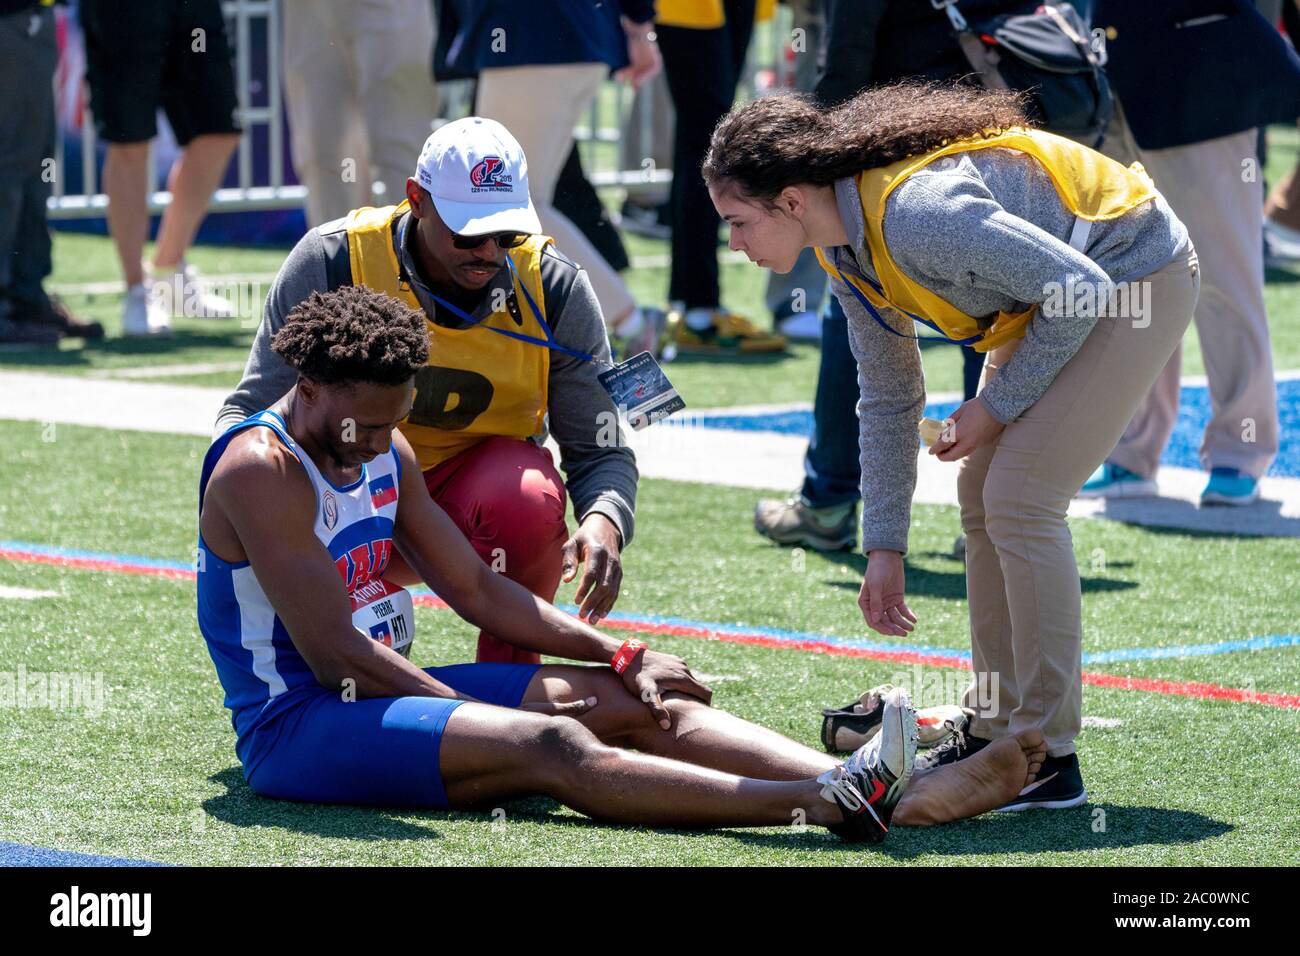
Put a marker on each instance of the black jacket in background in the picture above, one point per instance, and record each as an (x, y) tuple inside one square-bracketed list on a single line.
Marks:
[(1225, 69), (870, 42)]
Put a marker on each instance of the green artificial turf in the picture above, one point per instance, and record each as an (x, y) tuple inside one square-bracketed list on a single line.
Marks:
[(1178, 780)]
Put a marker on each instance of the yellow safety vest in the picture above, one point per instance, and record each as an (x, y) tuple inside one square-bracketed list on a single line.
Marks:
[(477, 383), (1092, 186), (703, 14)]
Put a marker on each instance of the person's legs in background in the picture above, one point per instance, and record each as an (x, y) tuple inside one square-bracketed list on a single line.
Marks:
[(199, 98), (540, 105), (392, 44), (823, 514), (795, 299), (28, 52), (576, 198), (508, 499), (1203, 184), (133, 67), (1224, 216), (702, 68), (330, 152)]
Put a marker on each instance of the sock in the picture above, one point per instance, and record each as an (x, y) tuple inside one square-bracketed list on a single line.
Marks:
[(697, 320), (631, 325)]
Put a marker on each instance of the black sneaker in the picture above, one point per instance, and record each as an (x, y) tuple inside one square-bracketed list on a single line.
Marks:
[(959, 746), (1059, 785), (868, 785), (848, 728)]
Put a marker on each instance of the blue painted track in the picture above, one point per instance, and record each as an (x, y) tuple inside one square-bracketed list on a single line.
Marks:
[(1182, 451), (15, 854)]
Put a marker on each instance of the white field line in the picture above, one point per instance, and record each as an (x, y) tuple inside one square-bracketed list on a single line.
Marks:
[(663, 260), (757, 460), (24, 594), (117, 287), (166, 371)]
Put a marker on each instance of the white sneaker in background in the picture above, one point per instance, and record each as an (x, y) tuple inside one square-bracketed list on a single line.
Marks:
[(802, 326), (1281, 245), (143, 314), (190, 294)]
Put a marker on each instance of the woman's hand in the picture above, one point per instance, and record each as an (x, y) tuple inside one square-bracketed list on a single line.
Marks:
[(881, 597), (972, 427)]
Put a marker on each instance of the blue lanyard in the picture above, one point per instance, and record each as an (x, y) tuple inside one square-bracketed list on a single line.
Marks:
[(915, 318), (548, 342)]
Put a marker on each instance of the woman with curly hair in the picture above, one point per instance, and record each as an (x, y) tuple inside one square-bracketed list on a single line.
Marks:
[(939, 204)]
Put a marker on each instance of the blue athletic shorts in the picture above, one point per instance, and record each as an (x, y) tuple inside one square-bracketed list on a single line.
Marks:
[(380, 751)]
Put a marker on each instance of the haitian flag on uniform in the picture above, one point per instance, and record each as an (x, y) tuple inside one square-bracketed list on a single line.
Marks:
[(383, 491), (382, 633)]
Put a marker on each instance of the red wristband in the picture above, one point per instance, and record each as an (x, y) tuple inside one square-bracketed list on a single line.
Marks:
[(626, 654)]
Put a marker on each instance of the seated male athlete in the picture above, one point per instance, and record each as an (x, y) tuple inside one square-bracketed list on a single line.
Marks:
[(301, 508)]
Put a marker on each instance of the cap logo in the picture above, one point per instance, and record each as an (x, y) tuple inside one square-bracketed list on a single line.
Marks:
[(489, 174)]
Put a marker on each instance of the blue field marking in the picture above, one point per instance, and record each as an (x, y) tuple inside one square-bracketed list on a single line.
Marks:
[(1183, 450), (1193, 650), (15, 854), (135, 560)]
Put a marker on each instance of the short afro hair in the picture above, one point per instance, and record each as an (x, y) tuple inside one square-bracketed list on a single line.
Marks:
[(353, 334)]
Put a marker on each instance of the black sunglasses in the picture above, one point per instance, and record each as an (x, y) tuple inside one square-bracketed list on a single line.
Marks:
[(506, 240)]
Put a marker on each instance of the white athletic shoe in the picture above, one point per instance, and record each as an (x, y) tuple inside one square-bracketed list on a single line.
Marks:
[(143, 314), (868, 786), (185, 291)]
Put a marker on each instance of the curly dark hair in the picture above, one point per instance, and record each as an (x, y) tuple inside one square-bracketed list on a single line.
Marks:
[(353, 334), (776, 141)]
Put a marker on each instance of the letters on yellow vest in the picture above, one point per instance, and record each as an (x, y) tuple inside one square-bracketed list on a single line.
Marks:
[(1092, 186), (477, 383)]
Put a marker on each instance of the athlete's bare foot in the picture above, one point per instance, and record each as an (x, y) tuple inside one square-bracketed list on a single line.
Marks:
[(988, 779)]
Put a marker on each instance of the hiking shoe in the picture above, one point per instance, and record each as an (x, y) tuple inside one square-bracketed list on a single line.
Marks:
[(1058, 785), (1112, 481), (1230, 486), (793, 522), (868, 786)]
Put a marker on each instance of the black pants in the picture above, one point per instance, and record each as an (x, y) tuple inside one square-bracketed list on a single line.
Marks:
[(702, 68), (27, 59), (577, 198)]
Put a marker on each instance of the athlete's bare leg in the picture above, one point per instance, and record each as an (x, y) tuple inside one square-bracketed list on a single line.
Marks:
[(493, 753), (713, 738), (700, 734)]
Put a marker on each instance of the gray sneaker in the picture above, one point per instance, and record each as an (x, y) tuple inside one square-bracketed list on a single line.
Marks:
[(793, 522)]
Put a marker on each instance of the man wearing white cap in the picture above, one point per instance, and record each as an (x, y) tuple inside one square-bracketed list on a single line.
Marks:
[(516, 342)]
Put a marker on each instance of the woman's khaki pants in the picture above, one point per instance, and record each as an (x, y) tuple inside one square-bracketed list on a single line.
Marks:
[(1021, 578)]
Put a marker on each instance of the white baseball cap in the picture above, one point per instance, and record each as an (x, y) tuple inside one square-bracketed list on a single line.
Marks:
[(478, 178)]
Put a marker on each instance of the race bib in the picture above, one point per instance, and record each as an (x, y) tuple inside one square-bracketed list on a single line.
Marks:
[(384, 612)]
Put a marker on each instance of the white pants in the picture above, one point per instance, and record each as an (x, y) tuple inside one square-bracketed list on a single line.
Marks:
[(540, 105)]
